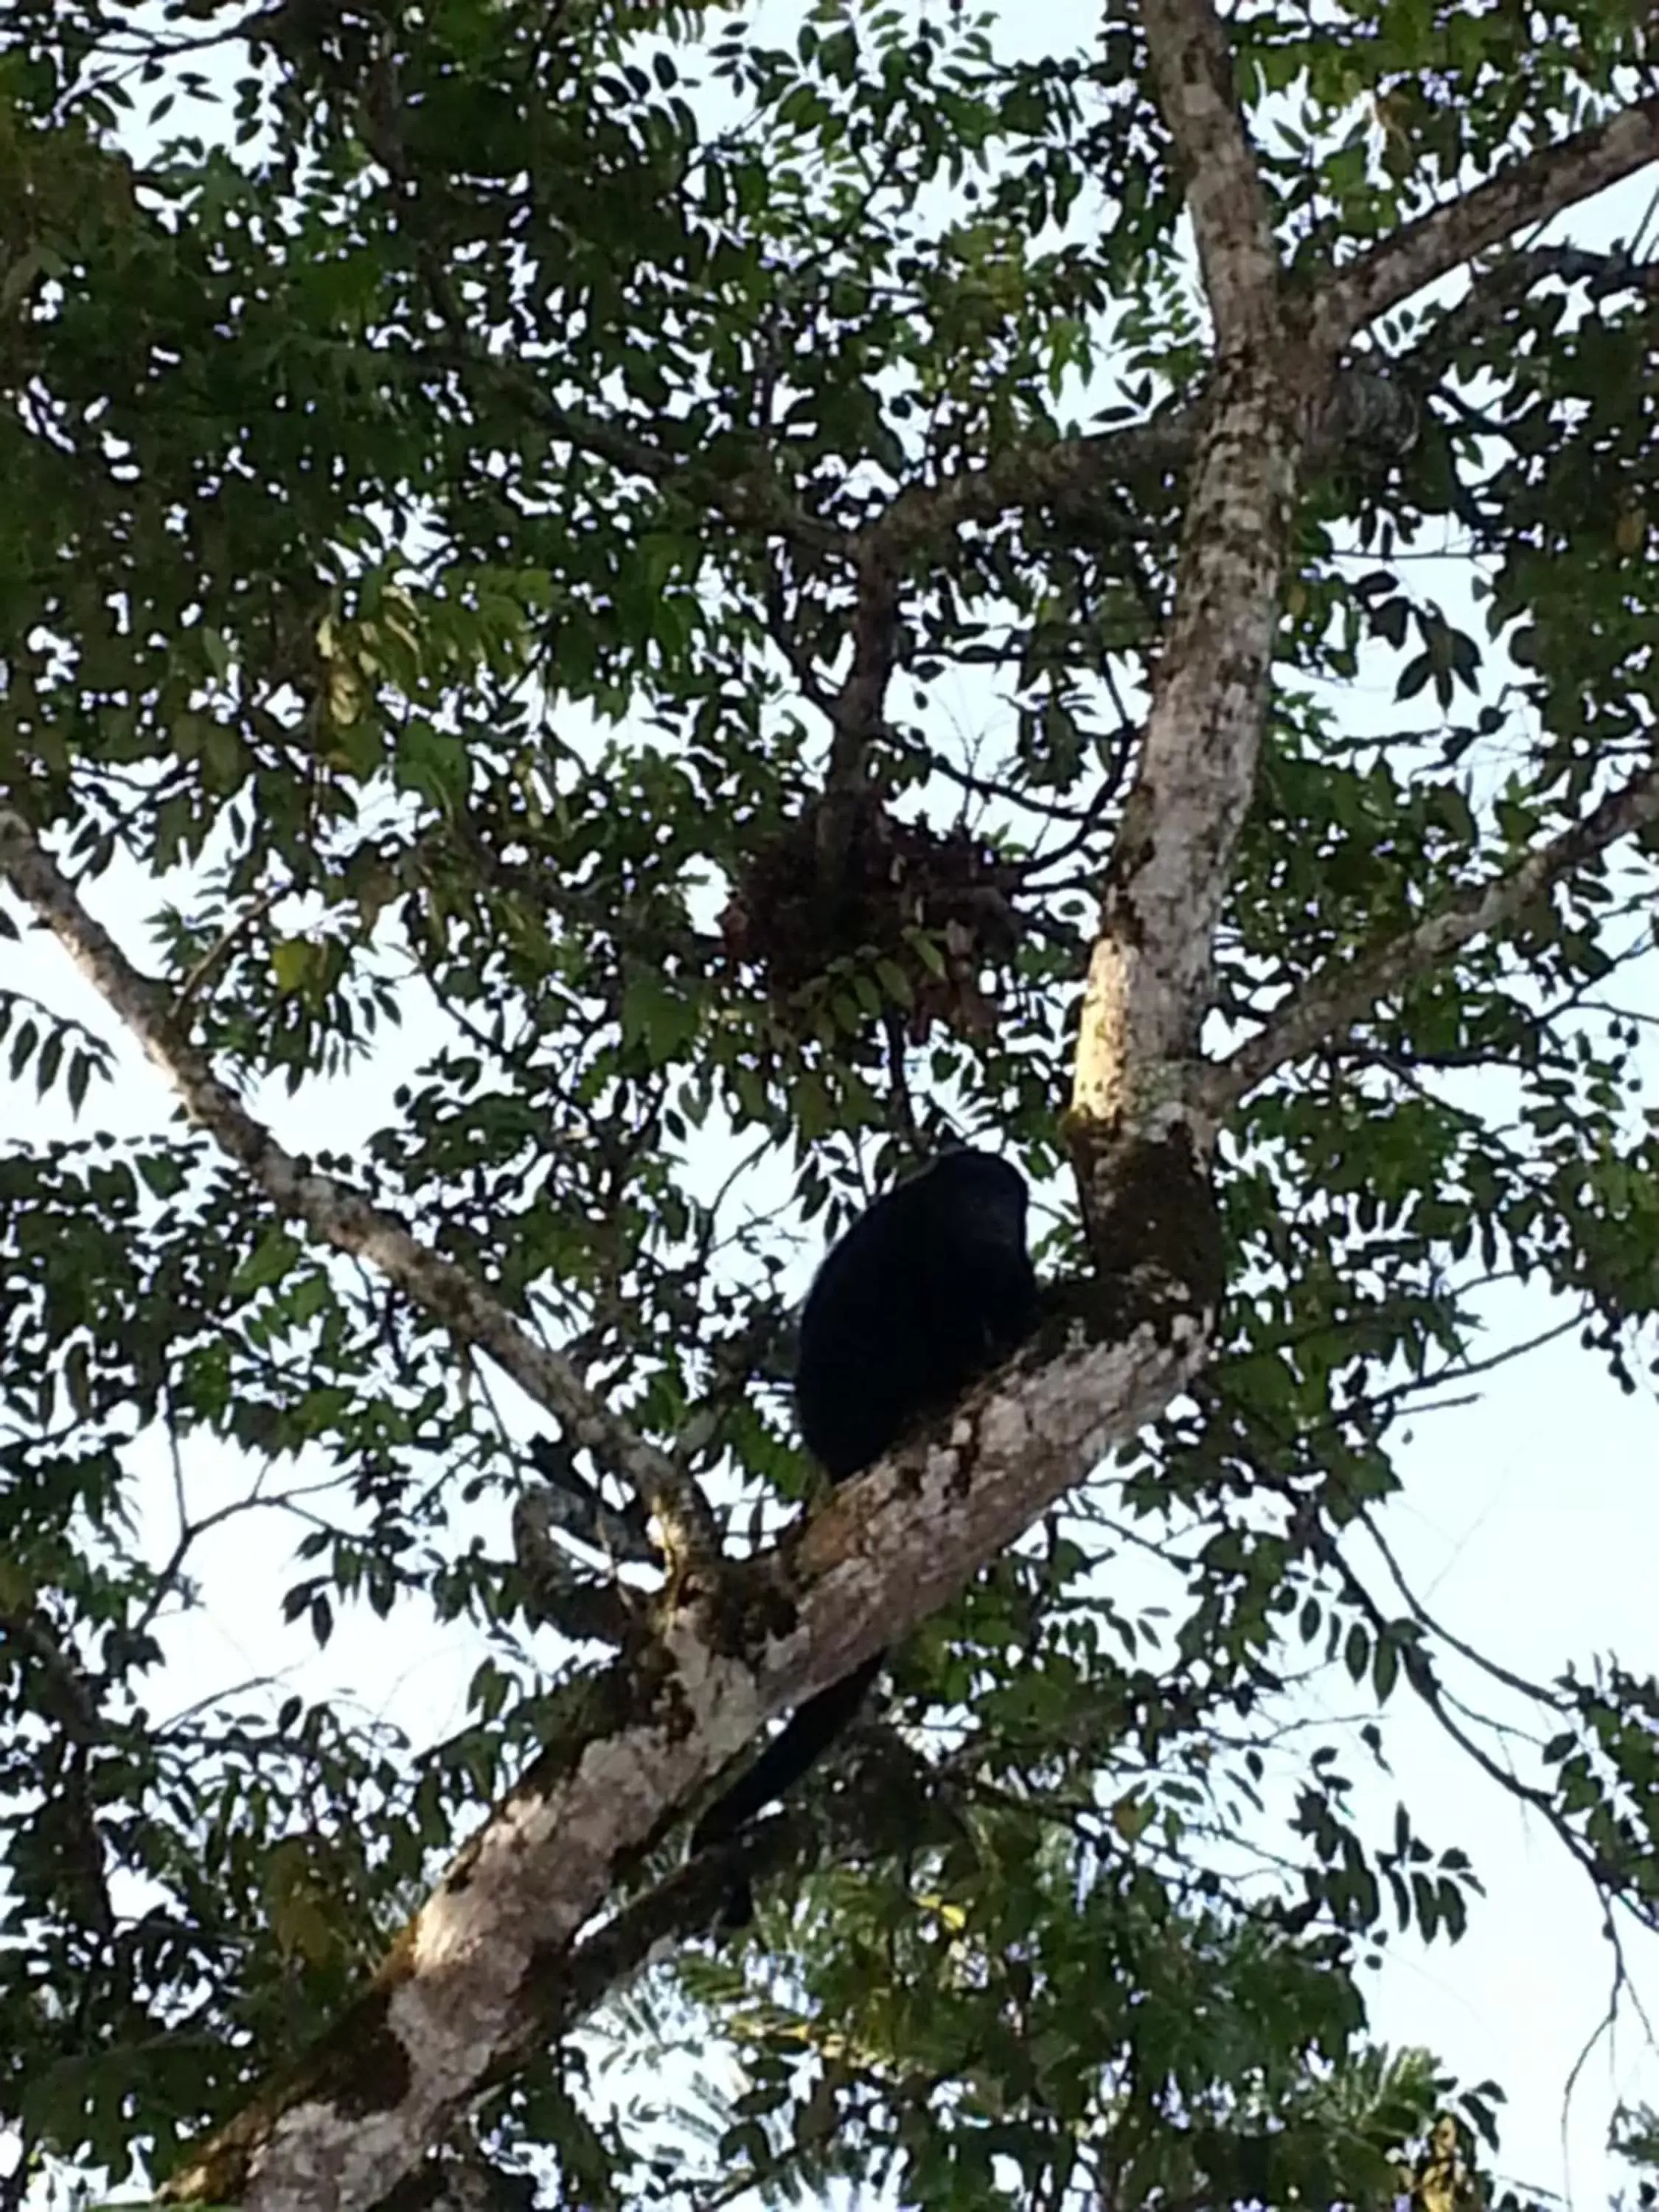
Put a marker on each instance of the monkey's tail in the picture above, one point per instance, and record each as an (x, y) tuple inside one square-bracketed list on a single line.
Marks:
[(804, 1736)]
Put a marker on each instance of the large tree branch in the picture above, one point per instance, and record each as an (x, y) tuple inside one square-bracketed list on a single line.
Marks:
[(1149, 977), (1026, 475), (340, 1216), (1150, 973), (1530, 189), (1193, 65), (1333, 1001), (483, 1971)]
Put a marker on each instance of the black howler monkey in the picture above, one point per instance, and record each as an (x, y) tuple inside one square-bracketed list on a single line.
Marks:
[(925, 1292)]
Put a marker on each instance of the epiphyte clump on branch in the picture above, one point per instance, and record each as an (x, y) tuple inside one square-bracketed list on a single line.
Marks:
[(936, 912)]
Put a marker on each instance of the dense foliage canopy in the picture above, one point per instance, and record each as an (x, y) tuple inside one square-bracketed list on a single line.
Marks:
[(645, 553)]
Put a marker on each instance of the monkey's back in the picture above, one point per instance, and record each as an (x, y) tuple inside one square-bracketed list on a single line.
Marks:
[(928, 1290)]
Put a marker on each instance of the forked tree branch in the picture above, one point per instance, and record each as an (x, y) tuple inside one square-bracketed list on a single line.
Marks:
[(340, 1216), (1240, 272), (1344, 993)]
